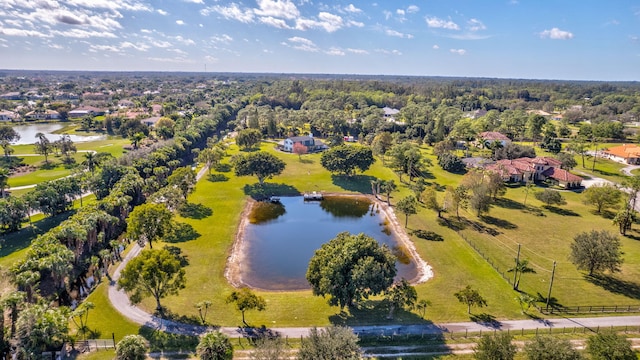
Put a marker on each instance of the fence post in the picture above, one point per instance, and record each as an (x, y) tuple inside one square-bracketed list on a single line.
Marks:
[(466, 333)]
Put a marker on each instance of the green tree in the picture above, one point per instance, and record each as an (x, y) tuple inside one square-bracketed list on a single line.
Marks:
[(522, 267), (346, 159), (418, 188), (349, 268), (90, 161), (156, 273), (496, 347), (610, 346), (246, 300), (203, 308), (421, 306), (184, 179), (40, 327), (456, 198), (525, 301), (331, 343), (269, 348), (550, 197), (407, 206), (470, 297), (80, 316), (248, 138), (451, 163), (211, 157), (131, 347), (578, 145), (4, 180), (596, 251), (567, 161), (388, 187), (547, 347), (7, 136), (214, 345), (43, 146), (148, 223), (261, 164), (401, 295), (382, 142), (602, 196)]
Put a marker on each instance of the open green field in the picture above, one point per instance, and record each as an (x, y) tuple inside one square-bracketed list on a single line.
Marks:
[(544, 234), (57, 169)]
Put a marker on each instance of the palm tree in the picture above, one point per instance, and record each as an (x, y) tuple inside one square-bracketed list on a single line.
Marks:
[(90, 161), (215, 346), (522, 267), (4, 180)]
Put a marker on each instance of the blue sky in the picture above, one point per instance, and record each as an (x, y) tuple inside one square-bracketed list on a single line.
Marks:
[(541, 39)]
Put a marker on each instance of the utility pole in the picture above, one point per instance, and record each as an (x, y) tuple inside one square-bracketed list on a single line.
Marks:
[(553, 273), (515, 272)]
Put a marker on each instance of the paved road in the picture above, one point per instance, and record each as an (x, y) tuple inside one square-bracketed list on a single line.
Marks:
[(121, 302)]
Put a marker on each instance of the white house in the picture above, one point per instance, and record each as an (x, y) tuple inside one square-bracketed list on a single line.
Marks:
[(308, 141)]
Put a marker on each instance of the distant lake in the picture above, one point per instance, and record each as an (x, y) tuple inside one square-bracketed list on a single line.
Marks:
[(28, 133)]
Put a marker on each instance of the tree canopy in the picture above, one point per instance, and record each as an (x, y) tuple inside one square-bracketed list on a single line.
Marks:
[(346, 159), (261, 164), (214, 345), (245, 300), (248, 138), (470, 297), (156, 273), (350, 268), (331, 343), (596, 251), (148, 223)]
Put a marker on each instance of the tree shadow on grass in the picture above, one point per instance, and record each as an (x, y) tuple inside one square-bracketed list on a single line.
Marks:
[(453, 223), (181, 232), (355, 183), (264, 191), (501, 223), (217, 177), (561, 211), (195, 211), (161, 340), (21, 239), (222, 167), (615, 285), (482, 228), (370, 312), (487, 320), (508, 204), (307, 161)]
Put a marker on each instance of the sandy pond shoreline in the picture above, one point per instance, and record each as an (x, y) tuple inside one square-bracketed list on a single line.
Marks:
[(235, 260)]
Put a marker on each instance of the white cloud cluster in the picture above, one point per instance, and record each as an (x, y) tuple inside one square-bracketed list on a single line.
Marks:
[(434, 22), (284, 14), (475, 25), (458, 51), (398, 34), (556, 34)]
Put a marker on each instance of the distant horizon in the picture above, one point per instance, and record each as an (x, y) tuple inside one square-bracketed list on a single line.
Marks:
[(303, 74), (501, 39)]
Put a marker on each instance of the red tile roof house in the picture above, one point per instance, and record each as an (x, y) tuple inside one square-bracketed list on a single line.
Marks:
[(535, 169), (491, 136), (625, 153)]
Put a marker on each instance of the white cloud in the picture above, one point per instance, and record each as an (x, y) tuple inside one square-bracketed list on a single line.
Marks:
[(179, 22), (335, 52), (111, 48), (303, 44), (56, 46), (178, 51), (84, 34), (224, 38), (130, 5), (185, 41), (194, 1), (436, 47), (400, 12), (352, 9), (160, 43), (162, 12), (210, 58), (556, 34), (277, 23), (398, 34), (389, 52), (458, 51), (387, 14), (179, 60), (277, 8), (22, 32), (475, 25), (137, 46), (434, 22), (233, 11), (358, 51), (413, 9), (355, 23), (329, 22)]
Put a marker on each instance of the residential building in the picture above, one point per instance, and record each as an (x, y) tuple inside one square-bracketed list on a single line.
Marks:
[(488, 137), (7, 115), (310, 142), (535, 169), (42, 115), (625, 153), (86, 111)]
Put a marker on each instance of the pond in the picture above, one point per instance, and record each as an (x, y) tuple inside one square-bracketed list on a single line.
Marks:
[(28, 133), (280, 239)]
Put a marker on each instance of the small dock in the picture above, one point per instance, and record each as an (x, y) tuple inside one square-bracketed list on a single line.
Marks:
[(313, 196)]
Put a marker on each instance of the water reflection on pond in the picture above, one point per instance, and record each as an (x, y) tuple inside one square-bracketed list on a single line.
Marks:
[(282, 238), (28, 133)]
